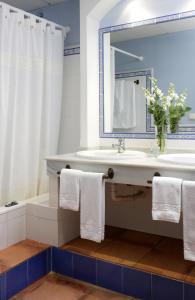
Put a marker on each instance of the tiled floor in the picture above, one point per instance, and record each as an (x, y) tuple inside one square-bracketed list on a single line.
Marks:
[(16, 254), (56, 287), (147, 252)]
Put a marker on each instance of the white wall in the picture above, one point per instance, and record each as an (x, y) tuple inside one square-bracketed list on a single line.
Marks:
[(91, 12), (70, 116), (136, 10)]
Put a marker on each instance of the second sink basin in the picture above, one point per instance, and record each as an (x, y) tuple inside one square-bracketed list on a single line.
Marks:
[(179, 158), (110, 154)]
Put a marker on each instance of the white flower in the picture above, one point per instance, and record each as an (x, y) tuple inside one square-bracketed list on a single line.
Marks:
[(159, 92), (150, 99), (176, 96), (180, 104), (169, 99)]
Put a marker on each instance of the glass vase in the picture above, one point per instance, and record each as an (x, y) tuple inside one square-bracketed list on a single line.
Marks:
[(173, 126), (161, 138)]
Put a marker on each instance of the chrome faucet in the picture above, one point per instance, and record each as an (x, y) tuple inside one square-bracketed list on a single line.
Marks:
[(121, 145)]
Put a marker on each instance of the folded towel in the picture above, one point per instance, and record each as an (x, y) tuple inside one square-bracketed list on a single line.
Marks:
[(69, 189), (188, 200), (92, 206), (166, 199)]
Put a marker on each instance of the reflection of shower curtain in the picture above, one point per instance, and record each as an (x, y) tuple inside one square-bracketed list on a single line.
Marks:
[(124, 104), (112, 84), (31, 72)]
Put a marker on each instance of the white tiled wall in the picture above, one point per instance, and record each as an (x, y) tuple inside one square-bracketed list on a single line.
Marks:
[(12, 226), (42, 223), (3, 231), (50, 224)]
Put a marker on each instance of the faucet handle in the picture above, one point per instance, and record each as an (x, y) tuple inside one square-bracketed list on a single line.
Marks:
[(120, 145), (122, 141)]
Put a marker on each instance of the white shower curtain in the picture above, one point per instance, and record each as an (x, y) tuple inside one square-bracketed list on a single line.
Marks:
[(124, 104), (31, 72)]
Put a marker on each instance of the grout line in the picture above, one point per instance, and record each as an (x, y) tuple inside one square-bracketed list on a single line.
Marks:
[(51, 259), (72, 264), (27, 272), (96, 267), (3, 285), (122, 280)]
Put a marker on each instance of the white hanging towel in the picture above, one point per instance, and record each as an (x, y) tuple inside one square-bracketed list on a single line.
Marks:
[(124, 104), (92, 206), (166, 199), (70, 189), (188, 200)]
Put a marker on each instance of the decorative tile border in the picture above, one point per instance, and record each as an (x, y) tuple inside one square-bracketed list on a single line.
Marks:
[(72, 51), (189, 133), (115, 277)]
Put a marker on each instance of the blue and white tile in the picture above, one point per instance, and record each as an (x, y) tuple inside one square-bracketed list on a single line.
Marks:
[(84, 268), (189, 291), (165, 288), (3, 286), (49, 260), (16, 280), (136, 283), (37, 266), (62, 262), (109, 276)]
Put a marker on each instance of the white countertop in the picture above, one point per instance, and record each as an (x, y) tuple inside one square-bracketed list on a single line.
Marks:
[(146, 162)]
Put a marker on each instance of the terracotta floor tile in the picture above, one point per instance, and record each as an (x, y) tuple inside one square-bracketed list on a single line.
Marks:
[(191, 276), (56, 287), (122, 252), (141, 238), (171, 246), (104, 295), (113, 232), (89, 247), (84, 246), (18, 253), (166, 259)]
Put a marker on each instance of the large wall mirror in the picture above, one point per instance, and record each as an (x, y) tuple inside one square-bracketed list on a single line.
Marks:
[(130, 55)]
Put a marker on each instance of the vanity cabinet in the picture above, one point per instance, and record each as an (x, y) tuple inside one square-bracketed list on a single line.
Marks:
[(131, 214)]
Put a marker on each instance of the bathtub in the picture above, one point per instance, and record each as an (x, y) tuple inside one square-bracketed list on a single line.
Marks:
[(42, 220), (30, 219), (37, 220)]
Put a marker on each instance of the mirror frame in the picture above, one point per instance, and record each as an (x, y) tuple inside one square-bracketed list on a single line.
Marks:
[(189, 134)]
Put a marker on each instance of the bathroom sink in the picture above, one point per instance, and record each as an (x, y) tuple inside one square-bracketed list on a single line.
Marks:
[(182, 158), (110, 154)]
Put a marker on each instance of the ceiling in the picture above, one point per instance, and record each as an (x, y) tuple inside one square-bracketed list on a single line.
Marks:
[(152, 30), (29, 5)]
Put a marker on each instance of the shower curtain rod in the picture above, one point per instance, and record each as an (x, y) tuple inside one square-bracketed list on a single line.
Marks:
[(12, 9), (127, 53)]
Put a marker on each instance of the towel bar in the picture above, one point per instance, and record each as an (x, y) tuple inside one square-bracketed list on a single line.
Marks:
[(155, 174), (109, 175)]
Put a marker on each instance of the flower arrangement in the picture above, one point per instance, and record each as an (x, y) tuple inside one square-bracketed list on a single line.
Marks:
[(176, 106), (157, 106), (165, 110)]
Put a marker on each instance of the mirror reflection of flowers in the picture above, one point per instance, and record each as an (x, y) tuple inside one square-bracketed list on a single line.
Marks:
[(177, 107), (157, 106)]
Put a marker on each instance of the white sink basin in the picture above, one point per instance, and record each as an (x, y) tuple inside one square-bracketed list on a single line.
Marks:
[(182, 158), (110, 154)]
